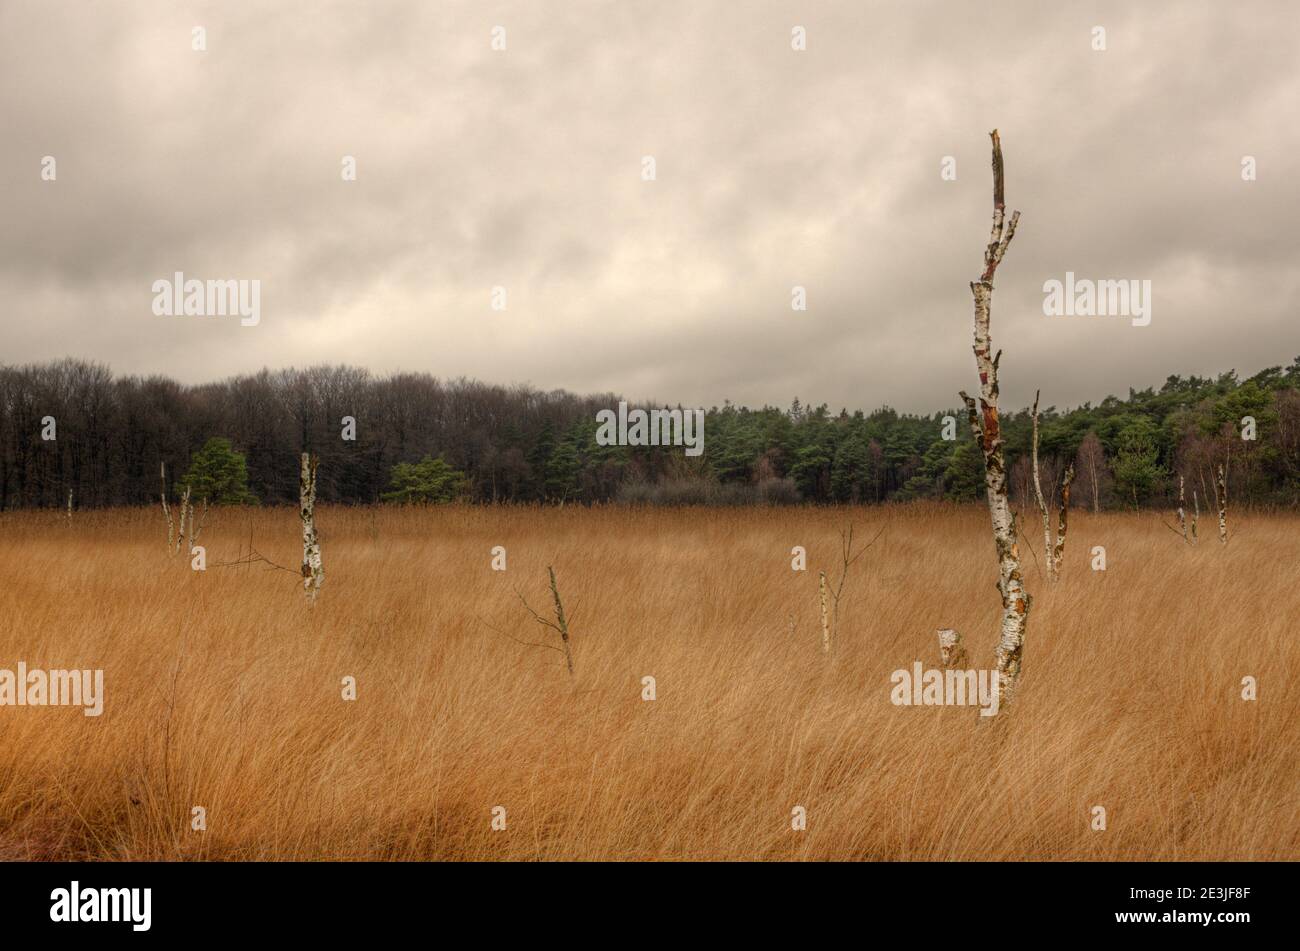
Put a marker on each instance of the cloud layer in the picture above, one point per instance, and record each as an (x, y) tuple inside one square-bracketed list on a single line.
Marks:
[(775, 168)]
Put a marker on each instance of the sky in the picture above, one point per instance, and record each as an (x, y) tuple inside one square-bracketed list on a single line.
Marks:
[(856, 168)]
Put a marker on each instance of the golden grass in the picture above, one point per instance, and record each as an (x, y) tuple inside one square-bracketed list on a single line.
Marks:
[(224, 690)]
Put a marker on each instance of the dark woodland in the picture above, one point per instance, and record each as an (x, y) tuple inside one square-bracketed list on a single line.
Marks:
[(519, 444)]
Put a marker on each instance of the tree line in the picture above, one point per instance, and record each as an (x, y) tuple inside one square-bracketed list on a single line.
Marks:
[(72, 426)]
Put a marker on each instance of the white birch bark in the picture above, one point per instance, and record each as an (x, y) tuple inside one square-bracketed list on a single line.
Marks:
[(951, 653), (1048, 545), (1182, 501), (1062, 521), (171, 526), (985, 425), (313, 572), (1221, 497), (187, 511)]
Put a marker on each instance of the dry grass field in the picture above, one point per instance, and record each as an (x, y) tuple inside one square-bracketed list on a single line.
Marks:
[(223, 690)]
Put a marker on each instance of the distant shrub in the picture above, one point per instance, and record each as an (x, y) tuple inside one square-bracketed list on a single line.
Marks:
[(218, 475), (429, 480)]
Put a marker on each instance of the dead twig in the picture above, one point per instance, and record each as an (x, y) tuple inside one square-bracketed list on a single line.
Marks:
[(560, 625)]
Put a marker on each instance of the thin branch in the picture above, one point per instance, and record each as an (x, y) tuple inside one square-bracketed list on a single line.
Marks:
[(253, 558), (497, 630)]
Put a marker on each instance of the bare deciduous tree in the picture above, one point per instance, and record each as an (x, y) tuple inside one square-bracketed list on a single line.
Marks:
[(986, 426), (1221, 500), (313, 573), (1091, 459), (826, 617), (831, 617), (1182, 502), (167, 512), (1053, 547), (1038, 493), (1062, 520)]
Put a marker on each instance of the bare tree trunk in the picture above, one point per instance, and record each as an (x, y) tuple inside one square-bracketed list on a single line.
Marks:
[(826, 622), (1048, 546), (1182, 501), (847, 557), (171, 526), (313, 574), (187, 510), (1092, 466), (988, 433), (1196, 515), (562, 624), (1221, 499), (951, 654), (196, 528), (69, 505), (1062, 521)]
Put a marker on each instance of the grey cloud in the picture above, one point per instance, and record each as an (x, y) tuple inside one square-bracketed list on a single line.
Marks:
[(775, 168)]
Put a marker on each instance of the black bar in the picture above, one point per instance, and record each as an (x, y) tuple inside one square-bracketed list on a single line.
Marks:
[(633, 903)]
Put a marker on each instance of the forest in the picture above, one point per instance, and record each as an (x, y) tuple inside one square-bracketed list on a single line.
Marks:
[(73, 428)]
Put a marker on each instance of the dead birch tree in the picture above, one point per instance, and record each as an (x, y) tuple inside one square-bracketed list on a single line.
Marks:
[(313, 573), (987, 429), (560, 625), (1221, 500), (952, 655), (1062, 520), (831, 606), (187, 512), (1053, 548), (1038, 491), (826, 618), (1182, 502), (167, 512)]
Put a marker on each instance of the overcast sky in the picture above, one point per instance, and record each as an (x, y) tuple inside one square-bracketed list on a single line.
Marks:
[(523, 168)]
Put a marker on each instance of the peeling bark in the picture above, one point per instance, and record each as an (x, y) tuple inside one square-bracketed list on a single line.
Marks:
[(171, 526), (1221, 499), (187, 511), (1048, 545), (951, 654), (1053, 548), (1182, 501), (985, 426), (1062, 521), (313, 573)]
